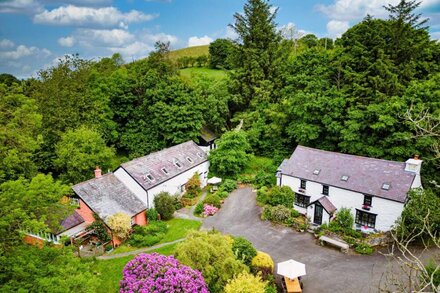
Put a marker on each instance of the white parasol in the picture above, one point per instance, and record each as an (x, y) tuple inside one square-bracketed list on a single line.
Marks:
[(291, 269), (214, 180)]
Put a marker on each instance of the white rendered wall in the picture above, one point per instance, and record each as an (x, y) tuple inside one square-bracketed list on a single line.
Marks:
[(311, 213), (173, 185), (131, 184), (387, 211)]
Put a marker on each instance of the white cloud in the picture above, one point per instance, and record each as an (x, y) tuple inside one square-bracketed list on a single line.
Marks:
[(153, 38), (6, 44), (88, 16), (290, 31), (336, 28), (196, 41), (66, 42), (20, 6), (133, 51), (22, 51), (103, 38)]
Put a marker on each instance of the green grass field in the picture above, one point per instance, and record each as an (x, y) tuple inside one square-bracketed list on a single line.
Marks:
[(189, 52), (188, 74), (110, 271)]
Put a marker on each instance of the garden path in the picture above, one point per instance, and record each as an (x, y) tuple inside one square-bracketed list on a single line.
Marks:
[(188, 212)]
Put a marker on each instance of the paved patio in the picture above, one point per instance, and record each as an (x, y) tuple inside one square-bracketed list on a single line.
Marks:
[(328, 270)]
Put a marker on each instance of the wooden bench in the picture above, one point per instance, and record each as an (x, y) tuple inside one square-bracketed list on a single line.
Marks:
[(344, 246)]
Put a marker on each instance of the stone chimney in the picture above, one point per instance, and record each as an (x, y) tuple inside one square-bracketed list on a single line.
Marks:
[(98, 172), (414, 165)]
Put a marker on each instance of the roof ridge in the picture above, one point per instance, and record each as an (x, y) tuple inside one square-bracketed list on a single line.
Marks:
[(94, 178)]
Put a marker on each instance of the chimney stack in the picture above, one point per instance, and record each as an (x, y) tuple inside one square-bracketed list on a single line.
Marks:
[(98, 172)]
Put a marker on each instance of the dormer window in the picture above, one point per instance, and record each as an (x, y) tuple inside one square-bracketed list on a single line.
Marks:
[(189, 160), (177, 163), (149, 177), (386, 186), (200, 155), (344, 178), (316, 171), (165, 171)]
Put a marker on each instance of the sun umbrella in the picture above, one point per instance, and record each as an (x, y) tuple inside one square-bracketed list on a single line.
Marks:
[(291, 269), (214, 180)]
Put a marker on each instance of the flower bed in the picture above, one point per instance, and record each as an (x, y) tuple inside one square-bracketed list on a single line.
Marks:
[(209, 210)]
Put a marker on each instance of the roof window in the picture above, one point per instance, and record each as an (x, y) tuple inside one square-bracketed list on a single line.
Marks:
[(344, 177), (165, 171), (316, 171), (149, 177), (386, 186), (189, 160), (177, 163), (200, 155)]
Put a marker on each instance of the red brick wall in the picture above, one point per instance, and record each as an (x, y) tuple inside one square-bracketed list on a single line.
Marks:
[(85, 212), (140, 219)]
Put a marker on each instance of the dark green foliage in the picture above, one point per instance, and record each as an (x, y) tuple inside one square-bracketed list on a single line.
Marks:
[(164, 205), (228, 185), (177, 202), (222, 194), (244, 250), (198, 209), (310, 40), (281, 195), (213, 199), (231, 154), (8, 79), (152, 215), (344, 218), (49, 269), (99, 229), (148, 235), (363, 248), (433, 271), (262, 195), (220, 52), (264, 179), (279, 214)]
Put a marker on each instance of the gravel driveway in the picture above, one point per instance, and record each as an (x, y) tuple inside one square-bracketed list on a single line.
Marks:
[(328, 270)]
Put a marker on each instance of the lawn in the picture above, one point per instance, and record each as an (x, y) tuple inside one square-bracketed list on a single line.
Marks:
[(195, 51), (188, 74), (110, 271), (177, 228)]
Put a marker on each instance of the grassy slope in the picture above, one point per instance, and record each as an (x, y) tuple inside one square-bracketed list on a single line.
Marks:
[(110, 271), (188, 74), (189, 52)]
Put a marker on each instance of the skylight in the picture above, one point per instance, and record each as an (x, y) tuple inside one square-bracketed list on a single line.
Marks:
[(200, 155), (189, 160), (177, 163), (149, 177), (344, 177), (316, 171), (165, 171), (386, 186)]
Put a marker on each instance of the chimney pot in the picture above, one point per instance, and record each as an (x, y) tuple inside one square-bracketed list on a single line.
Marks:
[(98, 172)]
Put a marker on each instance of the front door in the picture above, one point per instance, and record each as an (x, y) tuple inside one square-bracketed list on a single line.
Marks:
[(317, 219)]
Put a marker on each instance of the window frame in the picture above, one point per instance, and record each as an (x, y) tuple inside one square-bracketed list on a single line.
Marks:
[(303, 184), (189, 160), (304, 202), (325, 188), (365, 219), (164, 170), (370, 197)]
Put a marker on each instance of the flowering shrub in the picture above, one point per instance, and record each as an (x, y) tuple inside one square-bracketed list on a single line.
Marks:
[(159, 273), (209, 210)]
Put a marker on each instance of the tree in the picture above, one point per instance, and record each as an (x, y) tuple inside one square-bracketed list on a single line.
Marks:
[(192, 187), (30, 205), (246, 283), (164, 205), (231, 155), (310, 40), (20, 134), (211, 254), (257, 78), (263, 263), (120, 224), (244, 250), (220, 54), (79, 152), (159, 273), (8, 79)]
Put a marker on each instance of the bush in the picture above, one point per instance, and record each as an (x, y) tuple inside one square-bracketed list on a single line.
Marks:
[(246, 178), (363, 248), (148, 235), (152, 215), (185, 201), (192, 187), (246, 283), (344, 218), (177, 202), (262, 263), (262, 196), (353, 233), (281, 195), (120, 224), (209, 210), (164, 204), (244, 250), (295, 213), (148, 272), (279, 214), (264, 179), (222, 194), (198, 209), (213, 199), (228, 185)]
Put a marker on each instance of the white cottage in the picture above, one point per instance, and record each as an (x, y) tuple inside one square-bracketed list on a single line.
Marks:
[(166, 170), (375, 190)]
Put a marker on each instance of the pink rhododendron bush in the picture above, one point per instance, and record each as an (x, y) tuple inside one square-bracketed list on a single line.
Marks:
[(158, 273), (209, 210)]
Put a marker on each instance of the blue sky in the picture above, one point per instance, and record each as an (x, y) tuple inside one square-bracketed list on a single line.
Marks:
[(34, 34)]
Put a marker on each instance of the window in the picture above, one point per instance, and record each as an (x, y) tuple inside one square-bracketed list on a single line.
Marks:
[(200, 155), (189, 160), (149, 177), (316, 171), (325, 189), (303, 184), (344, 178), (165, 171), (367, 200), (177, 163), (365, 219), (302, 200), (386, 186)]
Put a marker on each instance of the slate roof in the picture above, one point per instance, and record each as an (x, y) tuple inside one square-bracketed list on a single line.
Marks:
[(71, 221), (326, 204), (107, 195), (153, 164), (365, 175)]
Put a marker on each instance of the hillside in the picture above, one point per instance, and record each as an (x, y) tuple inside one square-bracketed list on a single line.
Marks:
[(189, 52)]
